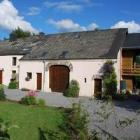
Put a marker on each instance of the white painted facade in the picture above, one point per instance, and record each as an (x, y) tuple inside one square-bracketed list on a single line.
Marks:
[(84, 71), (7, 67)]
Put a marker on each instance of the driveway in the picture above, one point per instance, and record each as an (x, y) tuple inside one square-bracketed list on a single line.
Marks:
[(120, 111), (52, 99), (123, 121)]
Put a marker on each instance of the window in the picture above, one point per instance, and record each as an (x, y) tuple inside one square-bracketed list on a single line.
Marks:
[(14, 61), (29, 75)]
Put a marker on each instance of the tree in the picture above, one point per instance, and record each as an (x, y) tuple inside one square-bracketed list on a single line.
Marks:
[(18, 33)]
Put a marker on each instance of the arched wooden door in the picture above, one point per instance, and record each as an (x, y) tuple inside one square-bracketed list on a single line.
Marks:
[(59, 78)]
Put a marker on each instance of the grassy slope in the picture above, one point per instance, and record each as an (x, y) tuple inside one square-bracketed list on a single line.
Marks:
[(29, 119)]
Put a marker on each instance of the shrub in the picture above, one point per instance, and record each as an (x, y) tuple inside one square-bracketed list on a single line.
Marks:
[(47, 134), (77, 123), (73, 89), (109, 79), (41, 102), (73, 128), (13, 85), (2, 95), (30, 98), (119, 97), (5, 126)]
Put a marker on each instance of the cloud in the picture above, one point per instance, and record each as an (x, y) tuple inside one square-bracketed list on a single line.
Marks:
[(68, 25), (92, 26), (10, 19), (131, 25), (63, 5), (33, 11)]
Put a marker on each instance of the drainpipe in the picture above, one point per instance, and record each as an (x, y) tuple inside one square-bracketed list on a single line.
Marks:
[(18, 74), (44, 76)]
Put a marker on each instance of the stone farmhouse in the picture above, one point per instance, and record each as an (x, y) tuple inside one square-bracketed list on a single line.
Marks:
[(50, 62)]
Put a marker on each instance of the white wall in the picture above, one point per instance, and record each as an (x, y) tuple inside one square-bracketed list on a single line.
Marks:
[(81, 69), (6, 66), (30, 66)]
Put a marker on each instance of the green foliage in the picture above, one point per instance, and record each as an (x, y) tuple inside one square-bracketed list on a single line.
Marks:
[(109, 79), (13, 85), (48, 134), (41, 102), (18, 33), (73, 89), (120, 97), (74, 127), (4, 128), (2, 95), (29, 100), (77, 123)]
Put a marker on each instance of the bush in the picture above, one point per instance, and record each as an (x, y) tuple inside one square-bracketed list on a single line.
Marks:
[(109, 79), (73, 89), (73, 128), (47, 134), (30, 98), (119, 97), (5, 126), (13, 85), (77, 123), (41, 102), (2, 95)]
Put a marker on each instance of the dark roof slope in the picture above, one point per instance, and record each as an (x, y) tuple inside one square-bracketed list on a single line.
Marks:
[(97, 44), (19, 47), (79, 45), (132, 41)]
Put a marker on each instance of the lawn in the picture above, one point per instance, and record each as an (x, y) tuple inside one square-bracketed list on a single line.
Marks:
[(29, 119)]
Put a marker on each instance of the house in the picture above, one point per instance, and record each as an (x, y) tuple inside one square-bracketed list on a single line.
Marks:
[(50, 62)]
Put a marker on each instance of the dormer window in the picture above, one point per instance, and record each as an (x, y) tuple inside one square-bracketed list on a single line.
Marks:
[(14, 61)]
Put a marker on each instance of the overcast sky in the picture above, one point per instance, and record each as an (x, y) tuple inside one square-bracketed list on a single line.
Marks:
[(53, 16)]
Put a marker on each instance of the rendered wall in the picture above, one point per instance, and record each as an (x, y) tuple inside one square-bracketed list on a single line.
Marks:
[(6, 66), (81, 69)]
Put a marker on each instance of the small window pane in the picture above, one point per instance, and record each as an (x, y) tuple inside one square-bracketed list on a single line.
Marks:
[(29, 75), (14, 61)]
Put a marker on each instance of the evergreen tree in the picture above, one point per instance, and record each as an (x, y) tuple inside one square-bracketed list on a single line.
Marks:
[(18, 33)]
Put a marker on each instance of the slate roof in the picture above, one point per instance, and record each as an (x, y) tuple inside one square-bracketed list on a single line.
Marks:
[(19, 47), (132, 41), (99, 44)]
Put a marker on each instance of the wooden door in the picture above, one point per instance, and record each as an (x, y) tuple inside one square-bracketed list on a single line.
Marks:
[(39, 81), (1, 76), (129, 82), (97, 85), (59, 78)]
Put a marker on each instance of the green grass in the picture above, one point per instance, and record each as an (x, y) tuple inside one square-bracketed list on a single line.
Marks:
[(29, 119)]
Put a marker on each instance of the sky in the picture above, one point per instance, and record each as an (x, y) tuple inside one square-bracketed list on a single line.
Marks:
[(54, 16)]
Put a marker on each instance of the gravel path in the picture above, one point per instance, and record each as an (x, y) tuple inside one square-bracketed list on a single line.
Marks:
[(52, 99), (121, 111)]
